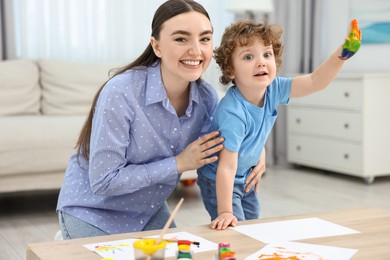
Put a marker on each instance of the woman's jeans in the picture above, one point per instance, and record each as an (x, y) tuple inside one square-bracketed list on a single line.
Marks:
[(245, 204), (72, 227)]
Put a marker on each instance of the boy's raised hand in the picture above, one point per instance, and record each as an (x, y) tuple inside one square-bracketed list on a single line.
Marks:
[(352, 42)]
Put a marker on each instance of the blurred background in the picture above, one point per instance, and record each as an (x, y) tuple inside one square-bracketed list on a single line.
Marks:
[(118, 31)]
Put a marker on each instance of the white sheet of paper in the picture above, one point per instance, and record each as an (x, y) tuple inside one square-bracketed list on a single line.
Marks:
[(302, 251), (290, 230), (123, 249)]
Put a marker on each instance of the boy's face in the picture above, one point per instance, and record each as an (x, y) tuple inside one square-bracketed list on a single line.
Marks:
[(254, 65)]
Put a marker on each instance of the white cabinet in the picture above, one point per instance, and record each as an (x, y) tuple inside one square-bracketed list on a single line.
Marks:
[(344, 128)]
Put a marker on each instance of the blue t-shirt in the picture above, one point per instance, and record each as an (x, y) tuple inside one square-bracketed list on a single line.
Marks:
[(136, 135), (245, 126)]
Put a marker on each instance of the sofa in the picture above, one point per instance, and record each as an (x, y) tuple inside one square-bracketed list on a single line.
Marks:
[(43, 105)]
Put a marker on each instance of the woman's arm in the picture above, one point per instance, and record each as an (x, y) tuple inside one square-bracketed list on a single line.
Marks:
[(110, 176)]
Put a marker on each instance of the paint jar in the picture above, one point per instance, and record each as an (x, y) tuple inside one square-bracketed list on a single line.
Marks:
[(184, 250), (225, 252), (147, 249)]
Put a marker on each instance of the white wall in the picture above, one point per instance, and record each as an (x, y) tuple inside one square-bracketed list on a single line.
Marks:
[(371, 57)]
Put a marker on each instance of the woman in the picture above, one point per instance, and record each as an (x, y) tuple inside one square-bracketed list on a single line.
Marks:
[(143, 131)]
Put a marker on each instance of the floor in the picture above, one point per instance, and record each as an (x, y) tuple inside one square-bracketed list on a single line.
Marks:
[(30, 217)]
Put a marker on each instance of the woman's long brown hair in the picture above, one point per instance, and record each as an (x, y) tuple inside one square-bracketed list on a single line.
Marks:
[(166, 11)]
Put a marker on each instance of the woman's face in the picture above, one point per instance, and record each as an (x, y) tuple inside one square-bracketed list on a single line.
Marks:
[(185, 47)]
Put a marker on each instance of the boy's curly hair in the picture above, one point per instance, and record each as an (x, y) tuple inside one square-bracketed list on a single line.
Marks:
[(243, 33)]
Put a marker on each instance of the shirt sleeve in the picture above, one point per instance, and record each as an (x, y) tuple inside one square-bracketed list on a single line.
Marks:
[(230, 123), (283, 86)]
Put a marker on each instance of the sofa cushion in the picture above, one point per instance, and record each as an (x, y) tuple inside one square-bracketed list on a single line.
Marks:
[(32, 144), (69, 87), (19, 88)]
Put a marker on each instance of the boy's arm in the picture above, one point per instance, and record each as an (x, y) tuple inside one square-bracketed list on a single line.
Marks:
[(325, 73), (320, 78), (227, 167)]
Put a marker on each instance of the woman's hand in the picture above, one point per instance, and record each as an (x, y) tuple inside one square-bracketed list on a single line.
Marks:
[(254, 177), (223, 221), (197, 153)]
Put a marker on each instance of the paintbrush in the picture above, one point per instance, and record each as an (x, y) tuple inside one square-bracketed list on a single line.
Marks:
[(169, 221)]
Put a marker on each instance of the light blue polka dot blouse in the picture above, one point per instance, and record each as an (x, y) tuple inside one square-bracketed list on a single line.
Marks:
[(136, 135)]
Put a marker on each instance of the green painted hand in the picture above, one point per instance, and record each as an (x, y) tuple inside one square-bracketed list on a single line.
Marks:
[(352, 42)]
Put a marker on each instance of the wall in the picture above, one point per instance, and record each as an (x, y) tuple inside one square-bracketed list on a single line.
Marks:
[(371, 57)]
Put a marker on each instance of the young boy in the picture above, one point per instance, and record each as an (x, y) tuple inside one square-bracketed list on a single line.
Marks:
[(249, 57)]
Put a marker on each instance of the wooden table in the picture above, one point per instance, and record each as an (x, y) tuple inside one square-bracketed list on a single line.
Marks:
[(373, 242)]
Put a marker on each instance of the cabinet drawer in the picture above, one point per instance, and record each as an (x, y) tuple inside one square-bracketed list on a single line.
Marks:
[(326, 123), (341, 93), (325, 153)]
